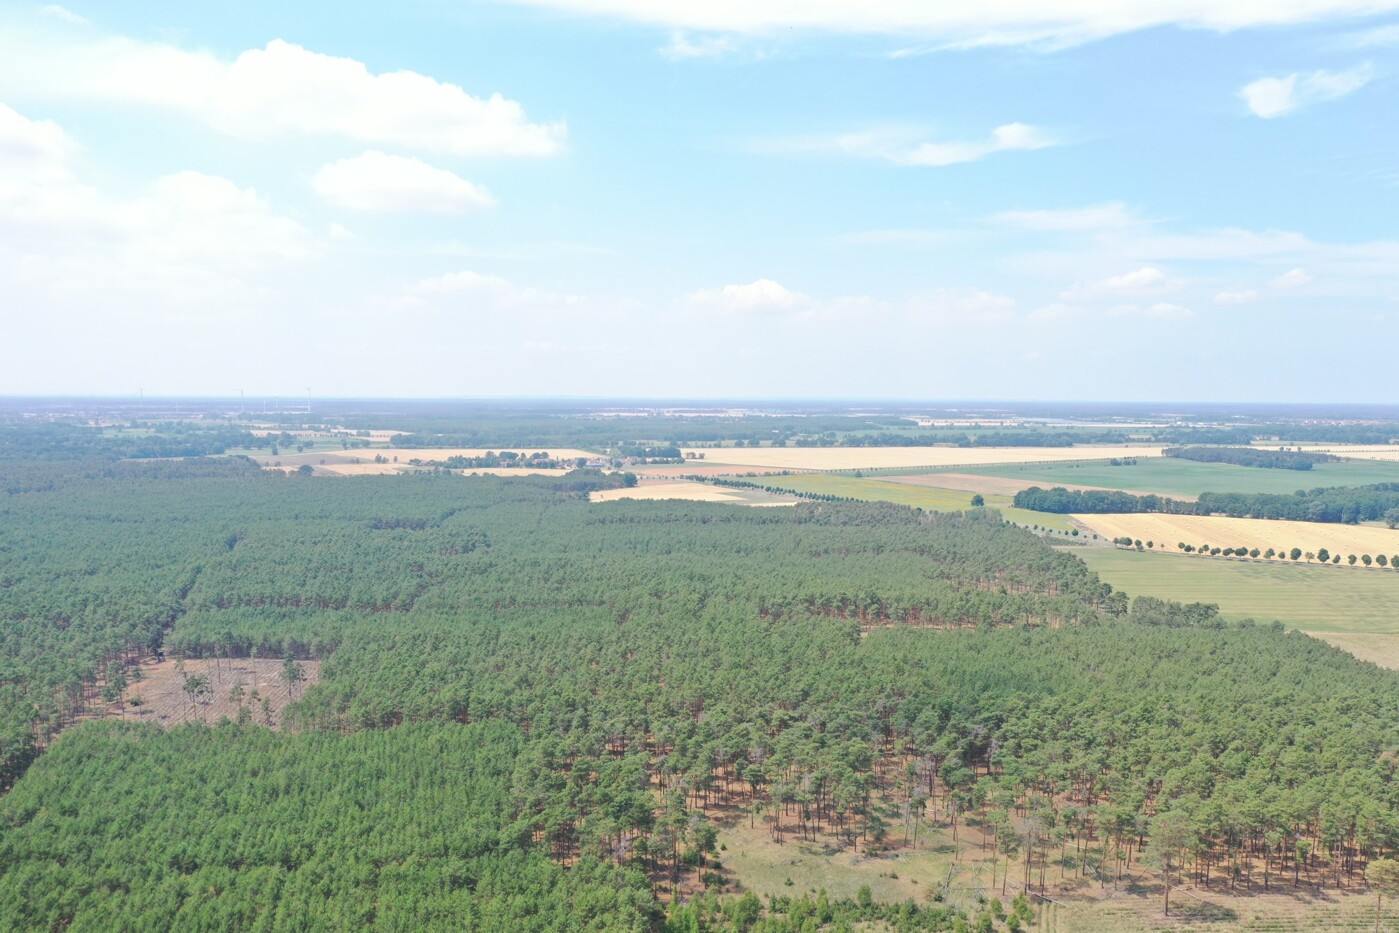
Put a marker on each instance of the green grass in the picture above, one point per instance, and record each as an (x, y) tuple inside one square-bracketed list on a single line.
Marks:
[(929, 498), (1311, 598), (1171, 476)]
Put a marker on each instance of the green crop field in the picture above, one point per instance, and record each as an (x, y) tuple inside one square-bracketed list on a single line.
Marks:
[(930, 498), (1173, 477), (1312, 598)]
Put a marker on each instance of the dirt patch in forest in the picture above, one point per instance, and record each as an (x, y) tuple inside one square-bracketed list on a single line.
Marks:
[(259, 687)]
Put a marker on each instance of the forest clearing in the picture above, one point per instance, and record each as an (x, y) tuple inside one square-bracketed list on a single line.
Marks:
[(1166, 531), (878, 458), (174, 691), (688, 490)]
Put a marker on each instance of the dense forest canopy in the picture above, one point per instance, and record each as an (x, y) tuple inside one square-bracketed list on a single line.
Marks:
[(529, 702)]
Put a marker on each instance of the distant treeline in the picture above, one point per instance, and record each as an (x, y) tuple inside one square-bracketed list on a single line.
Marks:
[(58, 441), (1252, 457), (1336, 504)]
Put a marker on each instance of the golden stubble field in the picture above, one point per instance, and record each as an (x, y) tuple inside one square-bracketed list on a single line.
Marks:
[(875, 458), (1245, 532)]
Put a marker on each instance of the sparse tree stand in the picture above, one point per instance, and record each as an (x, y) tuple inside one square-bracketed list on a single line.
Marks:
[(1382, 874), (1170, 833)]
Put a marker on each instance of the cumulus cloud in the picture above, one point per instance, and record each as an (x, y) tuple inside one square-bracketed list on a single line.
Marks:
[(376, 181), (763, 296), (1276, 97), (32, 147), (1293, 278), (987, 22), (280, 90), (184, 247)]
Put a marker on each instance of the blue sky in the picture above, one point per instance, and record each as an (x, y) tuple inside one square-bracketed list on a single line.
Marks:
[(1136, 200)]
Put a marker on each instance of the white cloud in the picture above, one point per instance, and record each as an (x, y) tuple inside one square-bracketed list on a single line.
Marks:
[(1110, 216), (185, 247), (32, 147), (763, 296), (902, 147), (1239, 297), (376, 181), (1276, 97), (1005, 138), (65, 14), (280, 90), (683, 45), (1293, 278), (987, 22), (1148, 280)]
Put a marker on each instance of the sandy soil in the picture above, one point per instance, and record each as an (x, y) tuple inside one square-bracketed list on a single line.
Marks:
[(857, 458), (1246, 532), (679, 489), (164, 701)]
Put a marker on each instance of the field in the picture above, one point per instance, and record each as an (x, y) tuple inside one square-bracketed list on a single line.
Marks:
[(860, 458), (1187, 479), (685, 489), (362, 461), (986, 485), (1311, 598), (1218, 531), (932, 499)]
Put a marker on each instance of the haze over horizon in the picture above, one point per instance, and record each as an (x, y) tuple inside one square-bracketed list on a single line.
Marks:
[(605, 198)]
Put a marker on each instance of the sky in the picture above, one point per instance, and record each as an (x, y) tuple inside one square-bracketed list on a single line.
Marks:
[(1139, 199)]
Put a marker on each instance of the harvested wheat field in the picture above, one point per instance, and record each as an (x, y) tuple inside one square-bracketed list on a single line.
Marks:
[(1258, 533), (1377, 648), (404, 454), (698, 492), (159, 696), (876, 458), (700, 468)]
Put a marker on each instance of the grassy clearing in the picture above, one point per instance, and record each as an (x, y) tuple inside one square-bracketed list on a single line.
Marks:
[(763, 866), (929, 498), (1172, 477), (1311, 598)]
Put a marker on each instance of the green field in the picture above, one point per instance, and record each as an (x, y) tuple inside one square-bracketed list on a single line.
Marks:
[(929, 498), (1312, 598), (1173, 477)]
